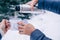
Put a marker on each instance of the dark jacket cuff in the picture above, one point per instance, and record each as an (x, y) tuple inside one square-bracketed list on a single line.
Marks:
[(36, 34), (0, 36)]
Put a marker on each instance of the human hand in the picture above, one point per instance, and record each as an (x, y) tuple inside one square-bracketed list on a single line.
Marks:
[(32, 3), (26, 29), (4, 26)]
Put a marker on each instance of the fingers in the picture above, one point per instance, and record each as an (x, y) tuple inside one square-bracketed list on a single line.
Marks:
[(31, 5), (21, 30), (3, 22), (21, 23), (7, 23), (20, 27), (27, 29)]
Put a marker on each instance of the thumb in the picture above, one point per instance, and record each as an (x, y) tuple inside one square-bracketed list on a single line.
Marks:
[(32, 8), (2, 24)]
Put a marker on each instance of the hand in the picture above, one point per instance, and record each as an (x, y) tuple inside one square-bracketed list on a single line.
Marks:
[(31, 3), (4, 25), (26, 29)]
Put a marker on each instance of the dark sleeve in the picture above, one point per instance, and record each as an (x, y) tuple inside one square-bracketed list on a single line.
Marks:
[(51, 5), (0, 36), (38, 35)]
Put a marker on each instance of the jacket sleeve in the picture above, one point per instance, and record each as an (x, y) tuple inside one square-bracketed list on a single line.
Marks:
[(51, 5), (0, 36), (38, 35)]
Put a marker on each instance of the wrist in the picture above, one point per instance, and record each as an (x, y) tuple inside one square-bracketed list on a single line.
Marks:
[(1, 32), (32, 30)]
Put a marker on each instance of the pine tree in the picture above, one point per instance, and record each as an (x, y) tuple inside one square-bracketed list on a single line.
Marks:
[(5, 5)]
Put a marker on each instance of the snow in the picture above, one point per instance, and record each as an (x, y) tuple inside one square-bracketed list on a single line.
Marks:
[(48, 23)]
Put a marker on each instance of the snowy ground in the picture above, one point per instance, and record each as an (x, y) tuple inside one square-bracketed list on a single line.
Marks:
[(48, 23)]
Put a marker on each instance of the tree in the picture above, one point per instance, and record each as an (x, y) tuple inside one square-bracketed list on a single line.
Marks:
[(5, 5)]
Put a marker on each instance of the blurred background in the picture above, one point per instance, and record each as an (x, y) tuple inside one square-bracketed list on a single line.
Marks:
[(50, 20), (6, 11)]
